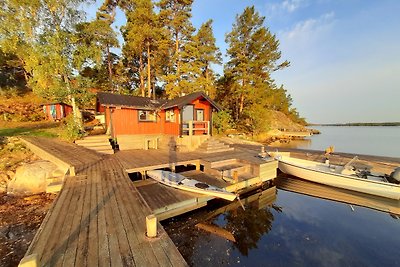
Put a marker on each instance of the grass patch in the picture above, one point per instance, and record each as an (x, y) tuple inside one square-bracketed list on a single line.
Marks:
[(50, 130)]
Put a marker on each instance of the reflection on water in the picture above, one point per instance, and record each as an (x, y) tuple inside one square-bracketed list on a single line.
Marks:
[(294, 230), (247, 226)]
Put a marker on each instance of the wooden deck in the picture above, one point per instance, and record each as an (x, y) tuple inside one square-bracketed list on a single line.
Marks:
[(140, 160), (98, 218), (67, 156)]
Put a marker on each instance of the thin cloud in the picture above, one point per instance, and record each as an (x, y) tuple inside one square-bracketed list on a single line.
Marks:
[(292, 5), (310, 28), (287, 6)]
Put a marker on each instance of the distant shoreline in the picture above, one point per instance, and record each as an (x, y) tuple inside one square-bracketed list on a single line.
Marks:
[(358, 124)]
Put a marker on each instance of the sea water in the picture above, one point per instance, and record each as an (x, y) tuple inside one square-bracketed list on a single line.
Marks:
[(367, 140), (296, 230)]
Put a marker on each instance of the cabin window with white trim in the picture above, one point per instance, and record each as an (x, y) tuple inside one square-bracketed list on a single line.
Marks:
[(147, 115), (170, 115)]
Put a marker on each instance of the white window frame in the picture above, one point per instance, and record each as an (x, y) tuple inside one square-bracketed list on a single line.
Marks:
[(170, 115), (149, 114)]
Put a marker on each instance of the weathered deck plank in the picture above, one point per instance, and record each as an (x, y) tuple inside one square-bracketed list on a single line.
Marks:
[(99, 220)]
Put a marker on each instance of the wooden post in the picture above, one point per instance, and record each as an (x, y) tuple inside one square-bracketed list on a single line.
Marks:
[(190, 128), (172, 165), (198, 166), (29, 261), (235, 176), (72, 171), (151, 225)]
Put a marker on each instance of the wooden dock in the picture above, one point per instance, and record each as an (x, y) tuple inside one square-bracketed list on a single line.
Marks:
[(100, 215), (98, 218)]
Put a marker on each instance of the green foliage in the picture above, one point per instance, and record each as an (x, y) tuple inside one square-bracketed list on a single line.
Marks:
[(12, 77), (71, 129), (255, 120), (247, 89), (144, 43), (222, 121), (253, 54), (47, 46)]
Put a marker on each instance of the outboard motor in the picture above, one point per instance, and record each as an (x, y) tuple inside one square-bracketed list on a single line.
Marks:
[(396, 174)]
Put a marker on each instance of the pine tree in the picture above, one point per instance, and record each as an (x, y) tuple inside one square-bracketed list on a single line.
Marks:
[(175, 17), (142, 34), (207, 53), (105, 35), (253, 54)]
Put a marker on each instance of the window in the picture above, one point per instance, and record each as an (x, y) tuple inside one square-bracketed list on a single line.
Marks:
[(199, 114), (147, 115), (170, 115)]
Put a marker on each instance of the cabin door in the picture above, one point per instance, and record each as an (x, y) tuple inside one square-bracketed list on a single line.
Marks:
[(188, 112)]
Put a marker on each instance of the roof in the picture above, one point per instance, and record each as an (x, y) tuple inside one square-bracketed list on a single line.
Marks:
[(55, 103), (187, 99), (114, 100)]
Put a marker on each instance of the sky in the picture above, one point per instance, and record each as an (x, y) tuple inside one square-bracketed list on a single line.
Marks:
[(344, 54)]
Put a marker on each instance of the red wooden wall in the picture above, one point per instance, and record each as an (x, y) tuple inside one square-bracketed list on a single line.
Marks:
[(126, 120), (62, 111)]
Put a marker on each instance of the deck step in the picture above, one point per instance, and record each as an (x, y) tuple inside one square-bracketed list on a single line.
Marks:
[(89, 142), (218, 150), (99, 143), (214, 146), (53, 180), (54, 187)]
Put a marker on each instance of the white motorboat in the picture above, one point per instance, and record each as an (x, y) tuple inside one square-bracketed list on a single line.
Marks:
[(338, 176)]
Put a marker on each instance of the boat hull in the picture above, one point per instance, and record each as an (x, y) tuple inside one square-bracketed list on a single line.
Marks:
[(181, 182), (308, 170)]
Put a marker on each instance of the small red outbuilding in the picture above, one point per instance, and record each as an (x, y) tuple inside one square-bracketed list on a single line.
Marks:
[(57, 110)]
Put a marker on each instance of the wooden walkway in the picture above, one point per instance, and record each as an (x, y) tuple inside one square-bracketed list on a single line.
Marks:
[(98, 218)]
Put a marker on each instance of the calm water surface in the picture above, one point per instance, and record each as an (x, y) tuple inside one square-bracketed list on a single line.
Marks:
[(368, 140), (296, 230)]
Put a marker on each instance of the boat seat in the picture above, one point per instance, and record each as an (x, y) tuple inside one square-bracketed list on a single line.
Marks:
[(347, 171)]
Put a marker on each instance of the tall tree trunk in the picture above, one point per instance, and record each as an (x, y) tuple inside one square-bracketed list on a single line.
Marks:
[(148, 71), (177, 53), (110, 74), (207, 84), (241, 105), (24, 69), (75, 110), (141, 75)]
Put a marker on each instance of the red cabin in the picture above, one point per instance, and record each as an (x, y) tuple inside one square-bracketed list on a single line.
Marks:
[(125, 116), (57, 111)]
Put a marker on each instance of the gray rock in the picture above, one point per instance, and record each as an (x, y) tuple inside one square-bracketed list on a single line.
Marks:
[(31, 178)]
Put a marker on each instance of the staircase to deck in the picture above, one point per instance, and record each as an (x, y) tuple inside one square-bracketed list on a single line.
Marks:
[(98, 143), (214, 146), (231, 170)]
